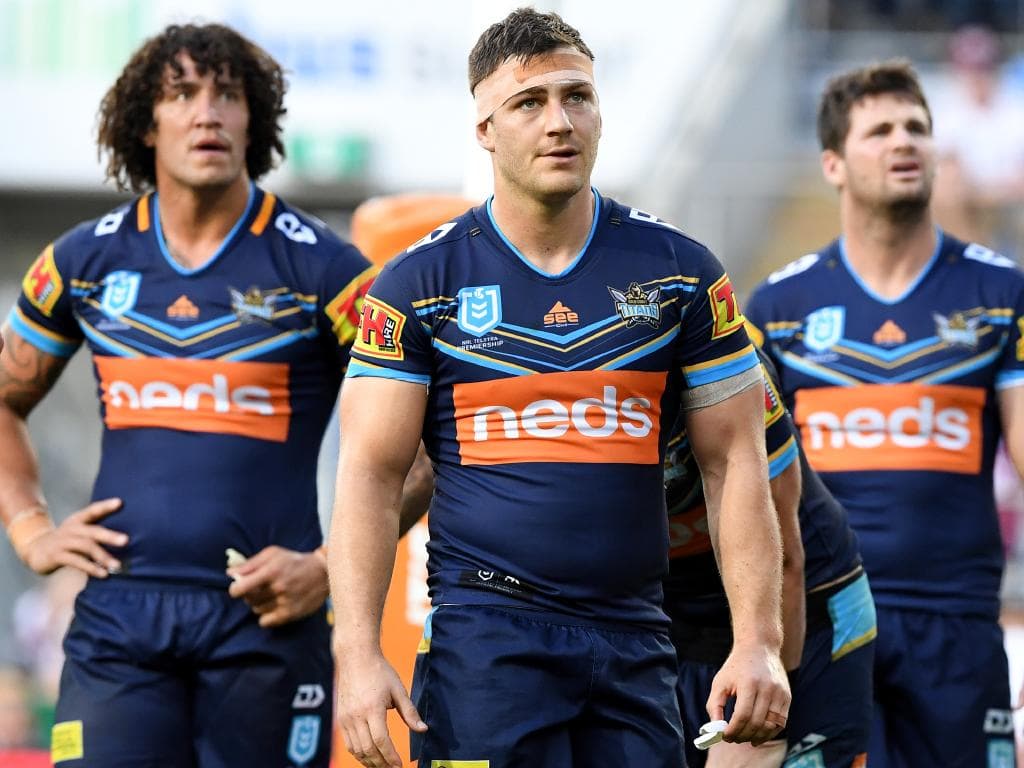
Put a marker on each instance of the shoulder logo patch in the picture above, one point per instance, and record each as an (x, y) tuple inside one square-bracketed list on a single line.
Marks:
[(794, 268), (42, 284), (288, 223), (724, 308), (432, 237)]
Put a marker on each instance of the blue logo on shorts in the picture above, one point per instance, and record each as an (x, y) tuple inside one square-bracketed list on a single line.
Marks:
[(1000, 753), (303, 741)]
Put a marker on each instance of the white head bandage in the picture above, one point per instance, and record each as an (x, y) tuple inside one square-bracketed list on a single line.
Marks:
[(514, 76)]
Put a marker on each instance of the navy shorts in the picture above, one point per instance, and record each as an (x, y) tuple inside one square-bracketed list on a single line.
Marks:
[(942, 692), (506, 687), (166, 676), (830, 717)]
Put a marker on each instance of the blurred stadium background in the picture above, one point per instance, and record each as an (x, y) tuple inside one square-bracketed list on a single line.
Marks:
[(709, 123)]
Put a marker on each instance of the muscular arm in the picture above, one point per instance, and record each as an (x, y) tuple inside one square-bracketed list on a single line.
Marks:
[(26, 375), (378, 446), (785, 489), (1011, 412), (417, 492), (728, 443)]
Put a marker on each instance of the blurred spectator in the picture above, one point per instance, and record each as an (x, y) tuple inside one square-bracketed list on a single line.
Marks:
[(979, 133), (1009, 503), (17, 719), (41, 618)]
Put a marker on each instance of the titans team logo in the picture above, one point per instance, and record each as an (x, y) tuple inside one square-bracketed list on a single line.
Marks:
[(958, 330), (824, 327), (252, 305), (636, 305), (120, 292), (479, 309)]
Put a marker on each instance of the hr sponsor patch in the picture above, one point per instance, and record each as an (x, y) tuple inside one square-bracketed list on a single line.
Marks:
[(380, 331), (636, 305), (773, 407), (250, 399), (725, 309), (42, 284), (892, 426), (604, 417)]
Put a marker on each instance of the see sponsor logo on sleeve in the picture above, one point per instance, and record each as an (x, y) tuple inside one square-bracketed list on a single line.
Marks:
[(380, 331), (724, 308), (42, 284)]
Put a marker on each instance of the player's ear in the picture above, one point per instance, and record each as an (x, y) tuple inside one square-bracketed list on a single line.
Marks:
[(485, 134), (833, 167)]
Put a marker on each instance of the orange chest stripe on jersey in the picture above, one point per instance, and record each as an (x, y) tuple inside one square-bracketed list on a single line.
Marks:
[(892, 426), (688, 532), (231, 398), (589, 417)]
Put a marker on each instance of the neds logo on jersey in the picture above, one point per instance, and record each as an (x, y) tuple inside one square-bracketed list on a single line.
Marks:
[(232, 398), (594, 417), (892, 426)]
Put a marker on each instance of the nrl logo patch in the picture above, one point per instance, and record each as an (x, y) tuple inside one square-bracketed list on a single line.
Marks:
[(253, 305), (120, 292), (958, 329), (824, 327), (479, 309), (636, 305)]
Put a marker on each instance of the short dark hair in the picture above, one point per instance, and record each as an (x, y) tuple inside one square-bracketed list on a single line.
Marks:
[(126, 112), (524, 34), (894, 76)]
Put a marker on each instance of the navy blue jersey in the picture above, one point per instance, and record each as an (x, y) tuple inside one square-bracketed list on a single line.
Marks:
[(215, 383), (549, 403), (896, 404), (693, 587)]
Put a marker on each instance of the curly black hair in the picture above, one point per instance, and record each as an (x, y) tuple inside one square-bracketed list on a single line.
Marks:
[(126, 112)]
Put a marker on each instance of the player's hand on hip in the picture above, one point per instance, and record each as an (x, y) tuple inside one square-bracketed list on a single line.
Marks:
[(754, 675), (281, 585), (78, 542), (367, 688)]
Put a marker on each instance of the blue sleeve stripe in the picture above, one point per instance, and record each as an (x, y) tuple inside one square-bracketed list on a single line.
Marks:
[(779, 461), (717, 371), (357, 369), (39, 338), (1008, 379)]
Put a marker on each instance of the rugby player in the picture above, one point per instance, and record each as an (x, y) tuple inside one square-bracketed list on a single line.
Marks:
[(542, 343), (900, 355)]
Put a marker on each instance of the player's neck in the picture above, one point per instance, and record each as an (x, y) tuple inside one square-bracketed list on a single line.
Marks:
[(887, 254), (550, 235), (196, 221)]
